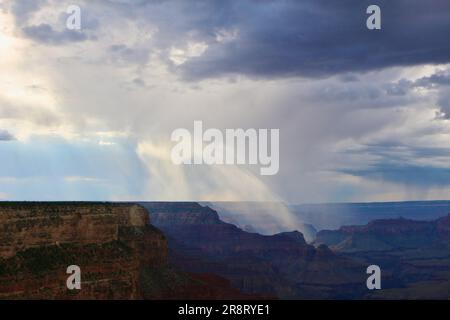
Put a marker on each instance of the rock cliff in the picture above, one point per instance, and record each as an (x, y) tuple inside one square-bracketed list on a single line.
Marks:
[(282, 265), (387, 234), (111, 243)]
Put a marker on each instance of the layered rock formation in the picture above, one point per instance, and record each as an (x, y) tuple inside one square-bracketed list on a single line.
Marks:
[(388, 234), (281, 265), (414, 256), (122, 256), (111, 243)]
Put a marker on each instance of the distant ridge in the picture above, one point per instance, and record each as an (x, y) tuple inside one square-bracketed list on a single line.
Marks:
[(334, 215)]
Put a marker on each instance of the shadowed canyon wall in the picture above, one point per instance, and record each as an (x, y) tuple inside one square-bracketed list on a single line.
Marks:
[(111, 243)]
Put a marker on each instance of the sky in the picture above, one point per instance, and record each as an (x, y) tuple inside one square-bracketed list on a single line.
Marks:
[(88, 114)]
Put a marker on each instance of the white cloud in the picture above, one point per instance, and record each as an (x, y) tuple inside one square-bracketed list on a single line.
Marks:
[(180, 55)]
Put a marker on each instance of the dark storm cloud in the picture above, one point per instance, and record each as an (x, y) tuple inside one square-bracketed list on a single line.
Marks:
[(439, 81), (396, 152), (400, 164), (309, 38), (46, 34), (314, 37), (131, 55), (439, 78), (23, 9), (6, 136), (444, 103), (411, 175)]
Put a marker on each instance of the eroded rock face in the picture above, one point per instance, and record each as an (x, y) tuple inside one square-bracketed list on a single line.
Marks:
[(443, 227), (109, 271), (110, 242), (380, 235), (282, 265)]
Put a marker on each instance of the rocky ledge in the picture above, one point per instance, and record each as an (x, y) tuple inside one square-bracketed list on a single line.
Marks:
[(111, 243)]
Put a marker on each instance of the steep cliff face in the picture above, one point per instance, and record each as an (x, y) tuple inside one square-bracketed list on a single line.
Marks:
[(111, 243), (443, 228), (281, 265), (108, 271), (181, 213), (380, 235), (414, 255)]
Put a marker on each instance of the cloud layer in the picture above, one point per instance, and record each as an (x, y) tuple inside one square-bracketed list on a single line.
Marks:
[(6, 136), (363, 115)]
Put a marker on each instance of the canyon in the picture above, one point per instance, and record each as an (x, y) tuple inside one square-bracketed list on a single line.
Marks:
[(282, 265), (184, 250), (111, 243), (414, 255), (121, 255)]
